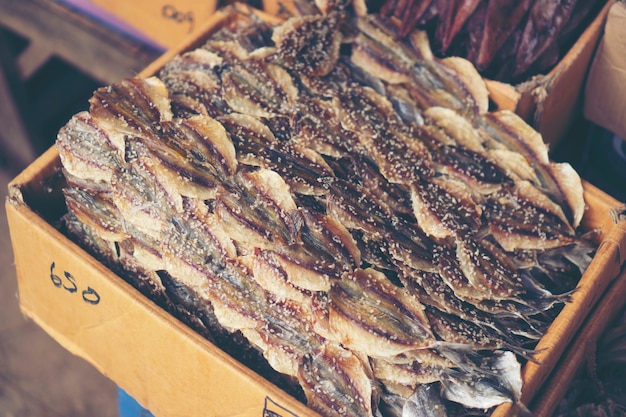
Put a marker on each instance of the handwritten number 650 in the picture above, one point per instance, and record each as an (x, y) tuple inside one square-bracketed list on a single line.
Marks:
[(89, 295)]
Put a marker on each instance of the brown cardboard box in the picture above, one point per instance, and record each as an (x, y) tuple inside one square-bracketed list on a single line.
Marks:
[(170, 369), (584, 343), (167, 21), (605, 91), (96, 315)]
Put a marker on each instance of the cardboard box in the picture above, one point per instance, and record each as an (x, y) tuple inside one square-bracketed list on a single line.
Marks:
[(167, 22), (605, 91), (93, 313), (163, 364), (611, 305)]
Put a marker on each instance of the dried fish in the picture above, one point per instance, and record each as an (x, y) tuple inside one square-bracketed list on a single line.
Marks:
[(355, 214), (86, 149), (330, 372), (309, 44), (368, 314)]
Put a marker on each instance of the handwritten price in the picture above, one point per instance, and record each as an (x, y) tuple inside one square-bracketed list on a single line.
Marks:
[(68, 283), (170, 12)]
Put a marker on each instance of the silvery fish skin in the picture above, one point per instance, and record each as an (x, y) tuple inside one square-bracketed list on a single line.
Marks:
[(367, 313), (346, 372), (324, 214), (80, 141), (96, 211)]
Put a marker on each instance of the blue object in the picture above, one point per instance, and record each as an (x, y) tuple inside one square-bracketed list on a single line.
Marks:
[(129, 407)]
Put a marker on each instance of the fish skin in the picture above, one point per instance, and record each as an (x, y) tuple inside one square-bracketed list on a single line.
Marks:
[(144, 198), (451, 82), (97, 211), (410, 369), (324, 235), (197, 258), (132, 107), (254, 87), (258, 209), (194, 85), (305, 270), (486, 391), (304, 170), (426, 400), (433, 291), (556, 180), (79, 140), (367, 313), (400, 159), (320, 129), (285, 336), (453, 329), (348, 373), (525, 219), (488, 269), (189, 161), (443, 209), (270, 274), (309, 44)]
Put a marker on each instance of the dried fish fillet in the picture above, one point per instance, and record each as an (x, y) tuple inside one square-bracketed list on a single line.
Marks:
[(352, 213)]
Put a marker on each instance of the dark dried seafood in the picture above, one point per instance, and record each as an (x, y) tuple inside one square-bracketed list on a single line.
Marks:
[(507, 40), (355, 212)]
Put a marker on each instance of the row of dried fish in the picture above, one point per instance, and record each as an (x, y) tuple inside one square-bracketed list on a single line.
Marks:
[(343, 201), (509, 41)]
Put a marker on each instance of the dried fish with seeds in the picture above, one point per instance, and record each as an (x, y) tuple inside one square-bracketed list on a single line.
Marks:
[(87, 151), (309, 44), (354, 215), (327, 374), (367, 313), (131, 107), (97, 211)]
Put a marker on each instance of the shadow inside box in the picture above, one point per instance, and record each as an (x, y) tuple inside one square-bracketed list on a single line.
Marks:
[(598, 155)]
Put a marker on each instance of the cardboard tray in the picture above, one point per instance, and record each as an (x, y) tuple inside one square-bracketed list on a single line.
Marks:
[(167, 367)]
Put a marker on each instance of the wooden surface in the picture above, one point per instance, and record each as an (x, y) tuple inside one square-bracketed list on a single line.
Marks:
[(53, 29), (96, 49)]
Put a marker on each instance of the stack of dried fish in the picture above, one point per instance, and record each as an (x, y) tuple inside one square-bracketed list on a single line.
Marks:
[(506, 40), (344, 202)]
